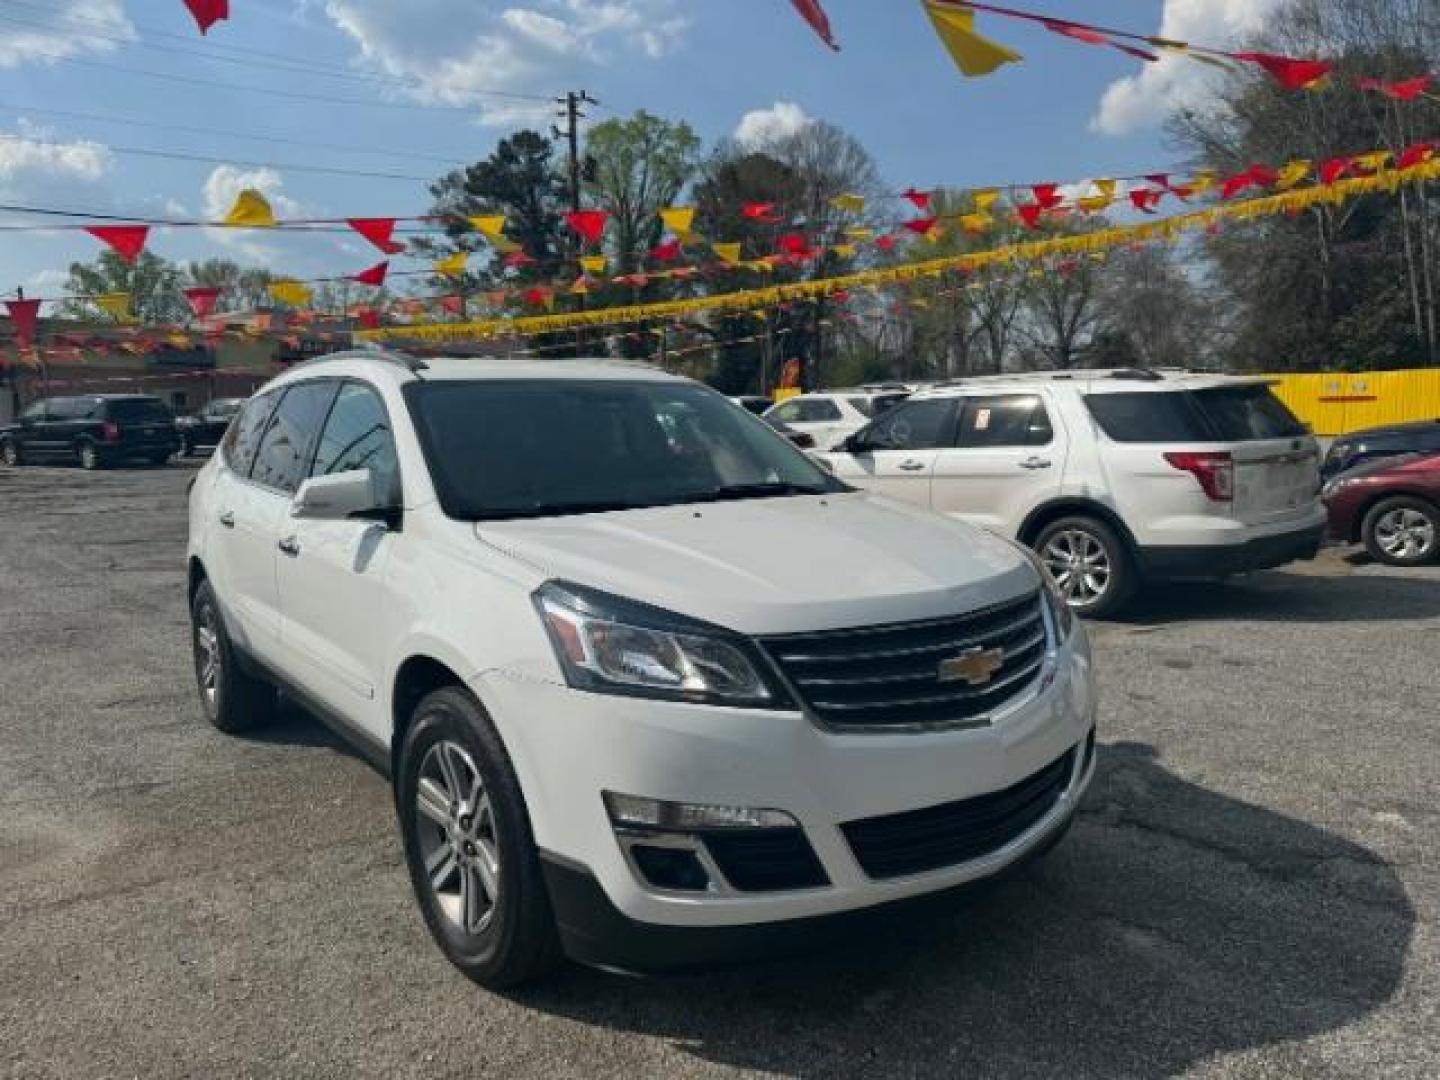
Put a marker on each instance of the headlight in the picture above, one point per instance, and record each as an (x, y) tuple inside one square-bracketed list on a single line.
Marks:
[(610, 645), (1061, 616)]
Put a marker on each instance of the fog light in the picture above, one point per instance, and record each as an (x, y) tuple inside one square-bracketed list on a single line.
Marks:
[(675, 869), (637, 812)]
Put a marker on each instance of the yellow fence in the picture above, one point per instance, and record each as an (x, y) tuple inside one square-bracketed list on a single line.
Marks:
[(1334, 403)]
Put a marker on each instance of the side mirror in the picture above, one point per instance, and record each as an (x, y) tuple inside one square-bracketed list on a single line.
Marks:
[(335, 498), (852, 444)]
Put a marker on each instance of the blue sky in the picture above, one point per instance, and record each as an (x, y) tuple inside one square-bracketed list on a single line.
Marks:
[(421, 71)]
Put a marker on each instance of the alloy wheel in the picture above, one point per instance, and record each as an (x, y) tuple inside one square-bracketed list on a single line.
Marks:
[(11, 453), (208, 659), (1080, 565), (1405, 533), (459, 844), (88, 457)]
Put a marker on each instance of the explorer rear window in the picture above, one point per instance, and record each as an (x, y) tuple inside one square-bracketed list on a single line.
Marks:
[(1224, 414), (137, 411)]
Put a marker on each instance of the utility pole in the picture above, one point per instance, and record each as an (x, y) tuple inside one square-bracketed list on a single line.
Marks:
[(571, 113)]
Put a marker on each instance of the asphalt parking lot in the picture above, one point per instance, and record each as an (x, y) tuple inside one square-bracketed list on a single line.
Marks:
[(1252, 889)]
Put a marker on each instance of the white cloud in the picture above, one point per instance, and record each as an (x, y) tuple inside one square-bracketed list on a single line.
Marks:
[(1139, 101), (450, 53), (36, 166), (70, 28), (763, 127)]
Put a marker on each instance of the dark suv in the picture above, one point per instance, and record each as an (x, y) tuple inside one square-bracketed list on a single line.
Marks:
[(206, 428), (1360, 447), (95, 430)]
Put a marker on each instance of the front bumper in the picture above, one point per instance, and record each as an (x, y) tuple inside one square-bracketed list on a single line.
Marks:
[(568, 747), (1215, 561)]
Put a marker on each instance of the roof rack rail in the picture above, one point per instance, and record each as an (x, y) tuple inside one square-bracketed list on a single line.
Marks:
[(1137, 375), (413, 364)]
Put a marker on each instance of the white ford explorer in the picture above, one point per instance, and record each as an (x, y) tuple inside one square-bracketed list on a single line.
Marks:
[(654, 689)]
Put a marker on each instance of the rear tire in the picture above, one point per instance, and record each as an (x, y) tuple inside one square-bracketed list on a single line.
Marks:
[(187, 449), (1091, 564), (10, 453), (1403, 531), (88, 455), (233, 700), (472, 856)]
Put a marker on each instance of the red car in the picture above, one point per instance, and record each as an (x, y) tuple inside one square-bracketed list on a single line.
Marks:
[(1392, 506)]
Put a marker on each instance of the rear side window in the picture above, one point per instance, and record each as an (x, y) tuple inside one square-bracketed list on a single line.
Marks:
[(818, 410), (920, 425), (243, 436), (283, 458), (1011, 420), (1150, 418), (863, 406), (137, 411), (1239, 413)]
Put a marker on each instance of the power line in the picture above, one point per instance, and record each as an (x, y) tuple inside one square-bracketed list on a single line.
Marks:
[(318, 225), (253, 137), (297, 64)]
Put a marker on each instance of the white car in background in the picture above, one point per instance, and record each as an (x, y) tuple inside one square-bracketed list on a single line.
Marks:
[(1114, 477), (830, 417)]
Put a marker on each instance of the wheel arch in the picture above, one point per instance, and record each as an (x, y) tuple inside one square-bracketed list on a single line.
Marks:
[(418, 674), (195, 576), (1056, 509)]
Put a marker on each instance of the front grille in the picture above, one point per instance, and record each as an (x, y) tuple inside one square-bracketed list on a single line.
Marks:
[(887, 677), (765, 860), (957, 832)]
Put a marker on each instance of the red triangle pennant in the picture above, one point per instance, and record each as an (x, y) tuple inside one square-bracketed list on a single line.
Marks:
[(1335, 169), (590, 224), (208, 12), (921, 199), (920, 226), (202, 300), (1290, 73), (1030, 214), (885, 243), (378, 231), (1415, 155), (793, 244), (126, 240), (1146, 200), (368, 318), (375, 275), (760, 211), (669, 251), (24, 314), (1047, 195), (814, 14)]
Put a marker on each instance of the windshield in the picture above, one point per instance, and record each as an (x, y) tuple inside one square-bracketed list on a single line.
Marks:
[(537, 448)]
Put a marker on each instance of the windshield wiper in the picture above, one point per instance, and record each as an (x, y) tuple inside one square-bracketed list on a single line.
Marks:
[(557, 510), (777, 489)]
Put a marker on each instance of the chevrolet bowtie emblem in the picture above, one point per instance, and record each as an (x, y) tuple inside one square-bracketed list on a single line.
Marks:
[(976, 666)]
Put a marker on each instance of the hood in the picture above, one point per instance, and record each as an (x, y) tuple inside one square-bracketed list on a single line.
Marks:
[(775, 566)]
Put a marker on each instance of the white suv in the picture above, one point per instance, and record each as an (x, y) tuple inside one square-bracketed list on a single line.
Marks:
[(833, 416), (654, 688), (1114, 477)]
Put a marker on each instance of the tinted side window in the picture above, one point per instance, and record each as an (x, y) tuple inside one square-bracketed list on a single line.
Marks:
[(358, 436), (138, 411), (787, 413), (862, 406), (1149, 418), (35, 411), (62, 408), (920, 425), (818, 410), (1013, 420), (243, 436), (283, 458)]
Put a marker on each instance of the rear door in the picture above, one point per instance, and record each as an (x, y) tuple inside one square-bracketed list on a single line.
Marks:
[(1277, 461), (1008, 457), (52, 429), (332, 574), (897, 453)]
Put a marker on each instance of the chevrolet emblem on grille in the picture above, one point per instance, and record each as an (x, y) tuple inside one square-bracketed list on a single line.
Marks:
[(975, 666)]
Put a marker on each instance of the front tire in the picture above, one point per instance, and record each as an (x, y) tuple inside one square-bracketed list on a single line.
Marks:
[(1403, 531), (233, 700), (88, 454), (10, 453), (472, 857), (1090, 563)]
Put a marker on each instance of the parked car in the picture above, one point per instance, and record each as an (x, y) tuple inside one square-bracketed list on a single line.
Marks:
[(205, 429), (1358, 447), (95, 430), (692, 702), (1114, 477), (1392, 506), (830, 417), (755, 404)]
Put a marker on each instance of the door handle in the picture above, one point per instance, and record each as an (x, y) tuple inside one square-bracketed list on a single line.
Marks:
[(911, 466), (228, 519), (1035, 463), (290, 546)]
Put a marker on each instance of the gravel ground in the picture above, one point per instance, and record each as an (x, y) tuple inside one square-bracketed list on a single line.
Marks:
[(1251, 890)]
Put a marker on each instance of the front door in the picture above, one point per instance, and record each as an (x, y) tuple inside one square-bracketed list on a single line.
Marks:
[(1007, 458), (334, 599), (896, 455)]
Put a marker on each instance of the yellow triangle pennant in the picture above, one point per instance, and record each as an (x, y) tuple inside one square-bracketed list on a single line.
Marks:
[(452, 265), (251, 210), (973, 55), (290, 292), (678, 219), (984, 199), (116, 305), (593, 264), (850, 204), (491, 225), (976, 223), (845, 251), (1292, 173), (729, 254)]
